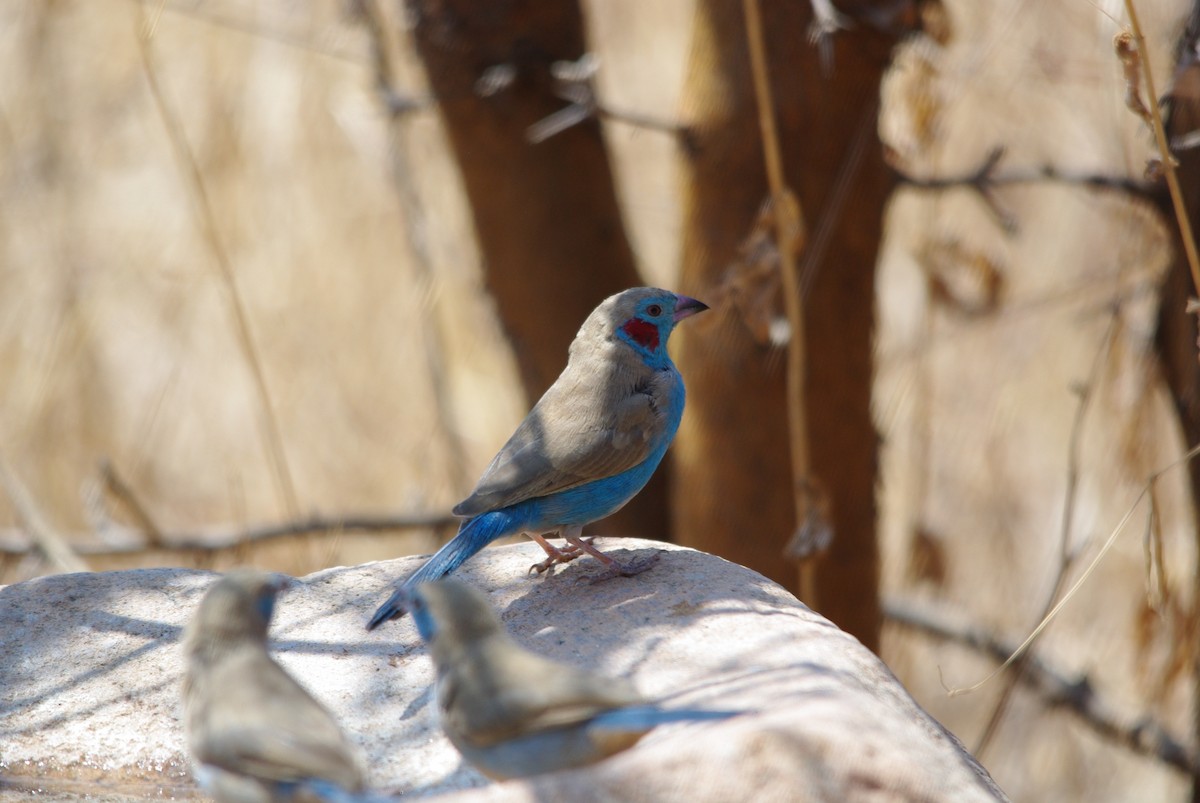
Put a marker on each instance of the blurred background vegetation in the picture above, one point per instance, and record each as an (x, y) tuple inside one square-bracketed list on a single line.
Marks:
[(278, 278)]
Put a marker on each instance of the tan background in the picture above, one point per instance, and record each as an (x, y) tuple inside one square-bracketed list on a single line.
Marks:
[(119, 341)]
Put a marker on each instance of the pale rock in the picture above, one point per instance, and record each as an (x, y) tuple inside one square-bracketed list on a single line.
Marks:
[(92, 667)]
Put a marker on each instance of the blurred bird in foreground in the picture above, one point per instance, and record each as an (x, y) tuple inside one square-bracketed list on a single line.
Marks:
[(587, 447), (512, 713), (256, 735)]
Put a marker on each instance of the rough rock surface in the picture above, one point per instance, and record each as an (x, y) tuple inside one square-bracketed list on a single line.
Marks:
[(89, 684)]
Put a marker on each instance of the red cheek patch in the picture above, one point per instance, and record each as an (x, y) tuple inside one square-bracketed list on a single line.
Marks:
[(642, 333)]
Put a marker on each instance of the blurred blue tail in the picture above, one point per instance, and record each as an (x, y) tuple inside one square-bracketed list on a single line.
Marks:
[(645, 717), (474, 534), (332, 793)]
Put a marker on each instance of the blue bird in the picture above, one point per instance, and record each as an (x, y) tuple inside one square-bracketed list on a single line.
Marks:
[(513, 713), (587, 447)]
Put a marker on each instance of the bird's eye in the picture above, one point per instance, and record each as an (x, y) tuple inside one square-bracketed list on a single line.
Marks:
[(654, 310)]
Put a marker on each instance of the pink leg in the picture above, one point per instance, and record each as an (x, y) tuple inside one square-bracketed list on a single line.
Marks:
[(553, 553), (555, 556), (615, 567)]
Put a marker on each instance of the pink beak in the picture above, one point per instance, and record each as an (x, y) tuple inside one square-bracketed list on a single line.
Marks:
[(686, 307)]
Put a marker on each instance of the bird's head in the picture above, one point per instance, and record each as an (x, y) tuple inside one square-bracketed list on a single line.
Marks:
[(450, 614), (641, 318), (237, 607)]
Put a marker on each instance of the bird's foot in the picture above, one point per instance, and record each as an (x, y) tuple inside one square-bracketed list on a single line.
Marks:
[(618, 568), (544, 566), (556, 556)]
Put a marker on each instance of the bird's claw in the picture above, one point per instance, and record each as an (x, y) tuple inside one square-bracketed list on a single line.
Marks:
[(542, 567), (560, 556), (634, 567)]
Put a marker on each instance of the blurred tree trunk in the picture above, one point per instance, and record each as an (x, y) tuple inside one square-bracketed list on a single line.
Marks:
[(732, 475), (1177, 330), (546, 215)]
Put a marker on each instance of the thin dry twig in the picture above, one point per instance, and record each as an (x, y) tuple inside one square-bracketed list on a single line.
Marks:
[(1131, 64), (812, 527), (53, 547), (123, 492), (987, 178), (575, 85), (1143, 735), (210, 14), (433, 338), (1164, 148), (195, 181), (1083, 578), (1066, 557), (129, 541), (827, 21), (831, 213), (1158, 590)]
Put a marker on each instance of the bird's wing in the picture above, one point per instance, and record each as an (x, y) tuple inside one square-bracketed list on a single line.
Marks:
[(262, 723), (585, 428), (503, 692)]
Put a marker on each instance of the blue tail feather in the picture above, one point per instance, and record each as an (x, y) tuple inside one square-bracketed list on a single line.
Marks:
[(645, 717), (332, 793), (474, 534)]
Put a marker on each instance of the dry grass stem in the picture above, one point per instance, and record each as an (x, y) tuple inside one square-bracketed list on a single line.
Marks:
[(126, 541), (433, 338), (1066, 556), (1142, 734), (269, 422), (53, 547), (790, 234), (1164, 150), (1083, 578)]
